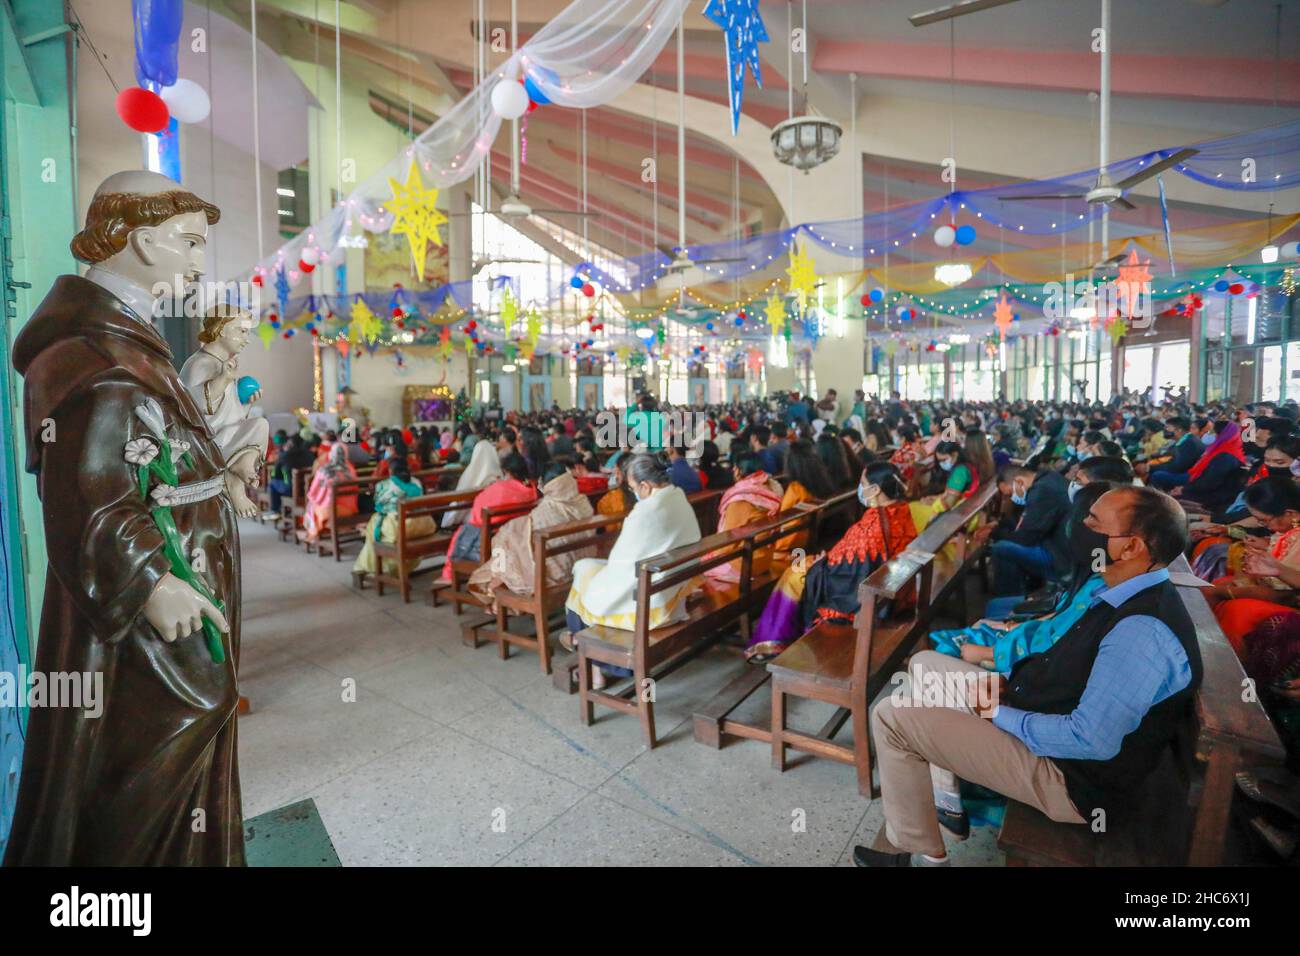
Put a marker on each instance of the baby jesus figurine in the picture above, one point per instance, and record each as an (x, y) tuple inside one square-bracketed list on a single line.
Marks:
[(211, 377)]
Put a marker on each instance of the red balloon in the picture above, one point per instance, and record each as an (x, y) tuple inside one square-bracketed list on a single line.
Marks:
[(397, 312), (866, 300), (305, 266), (1236, 288), (142, 110), (257, 280), (588, 289)]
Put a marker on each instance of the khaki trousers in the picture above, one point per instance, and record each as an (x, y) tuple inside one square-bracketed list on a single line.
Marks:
[(927, 721)]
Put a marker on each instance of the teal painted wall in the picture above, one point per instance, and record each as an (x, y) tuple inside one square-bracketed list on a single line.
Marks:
[(37, 196)]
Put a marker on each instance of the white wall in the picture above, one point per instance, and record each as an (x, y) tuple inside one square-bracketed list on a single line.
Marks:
[(379, 383)]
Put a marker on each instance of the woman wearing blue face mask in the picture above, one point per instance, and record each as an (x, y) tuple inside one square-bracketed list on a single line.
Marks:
[(961, 482)]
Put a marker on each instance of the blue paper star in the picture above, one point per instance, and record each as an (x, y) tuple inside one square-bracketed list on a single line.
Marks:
[(743, 26)]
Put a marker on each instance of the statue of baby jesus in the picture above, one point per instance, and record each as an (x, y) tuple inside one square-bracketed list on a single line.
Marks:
[(211, 375)]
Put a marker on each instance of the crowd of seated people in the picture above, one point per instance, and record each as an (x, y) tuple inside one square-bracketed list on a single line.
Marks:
[(1090, 650)]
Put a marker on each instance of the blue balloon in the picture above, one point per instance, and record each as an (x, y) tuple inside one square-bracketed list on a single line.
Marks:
[(965, 235), (533, 90), (1221, 285), (247, 386), (576, 282), (877, 295)]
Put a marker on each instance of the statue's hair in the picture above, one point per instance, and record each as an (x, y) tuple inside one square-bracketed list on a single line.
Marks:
[(215, 319), (112, 217)]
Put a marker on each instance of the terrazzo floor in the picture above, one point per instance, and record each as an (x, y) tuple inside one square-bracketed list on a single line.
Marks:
[(418, 750)]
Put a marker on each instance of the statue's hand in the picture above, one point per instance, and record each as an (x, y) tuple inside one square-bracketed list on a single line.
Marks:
[(177, 610)]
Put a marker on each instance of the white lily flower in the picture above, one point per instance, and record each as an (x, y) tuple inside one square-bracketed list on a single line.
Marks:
[(141, 451), (150, 412), (162, 494)]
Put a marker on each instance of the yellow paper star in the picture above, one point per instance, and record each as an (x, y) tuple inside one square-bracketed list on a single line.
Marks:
[(364, 322), (415, 215), (1117, 329), (534, 326), (803, 275), (775, 313), (509, 309), (1002, 315)]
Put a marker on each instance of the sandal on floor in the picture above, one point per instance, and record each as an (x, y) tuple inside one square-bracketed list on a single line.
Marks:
[(1273, 787)]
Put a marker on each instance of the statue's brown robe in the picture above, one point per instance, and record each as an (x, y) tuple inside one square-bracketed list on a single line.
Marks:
[(154, 779)]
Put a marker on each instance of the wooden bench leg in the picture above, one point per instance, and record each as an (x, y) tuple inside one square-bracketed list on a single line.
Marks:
[(403, 580), (1211, 824), (503, 646), (543, 647), (778, 727), (862, 748), (379, 575), (645, 707), (586, 710)]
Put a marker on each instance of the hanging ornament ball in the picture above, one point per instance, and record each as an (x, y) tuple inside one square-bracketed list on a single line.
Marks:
[(142, 110), (248, 387), (739, 321), (187, 101), (965, 235), (743, 314), (945, 236), (709, 326), (588, 289), (901, 311), (257, 280), (397, 312), (1221, 285), (305, 266), (310, 255), (866, 299), (877, 295), (576, 282), (1236, 288), (1016, 317), (509, 99), (314, 331), (472, 325)]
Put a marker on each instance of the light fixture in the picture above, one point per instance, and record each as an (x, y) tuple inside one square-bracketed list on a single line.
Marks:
[(805, 142), (1268, 254), (645, 333), (961, 338), (953, 273), (508, 367)]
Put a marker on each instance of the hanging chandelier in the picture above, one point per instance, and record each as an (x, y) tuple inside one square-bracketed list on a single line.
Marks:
[(805, 142)]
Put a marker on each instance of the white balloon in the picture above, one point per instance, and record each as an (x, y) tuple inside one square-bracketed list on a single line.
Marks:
[(509, 99), (310, 255), (187, 101), (945, 236), (1291, 250)]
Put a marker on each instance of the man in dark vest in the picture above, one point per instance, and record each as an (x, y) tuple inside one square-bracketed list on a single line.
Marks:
[(1072, 731)]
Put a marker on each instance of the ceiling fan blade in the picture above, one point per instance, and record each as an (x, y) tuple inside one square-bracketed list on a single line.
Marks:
[(1044, 196), (709, 262), (1156, 169), (563, 212), (1121, 201), (670, 252), (956, 10)]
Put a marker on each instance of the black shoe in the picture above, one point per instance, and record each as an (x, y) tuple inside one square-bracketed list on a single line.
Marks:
[(958, 824), (865, 856)]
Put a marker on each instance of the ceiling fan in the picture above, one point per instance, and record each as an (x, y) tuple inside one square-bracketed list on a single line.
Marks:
[(481, 264), (512, 207), (1104, 192)]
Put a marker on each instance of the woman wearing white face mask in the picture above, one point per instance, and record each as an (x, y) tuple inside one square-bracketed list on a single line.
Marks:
[(826, 588)]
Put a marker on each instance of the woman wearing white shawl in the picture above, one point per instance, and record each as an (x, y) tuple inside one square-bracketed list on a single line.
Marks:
[(604, 591), (484, 468)]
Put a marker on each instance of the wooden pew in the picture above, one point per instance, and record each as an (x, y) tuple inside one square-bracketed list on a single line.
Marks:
[(544, 602), (409, 548), (846, 665), (1185, 816), (294, 508), (343, 530), (652, 655)]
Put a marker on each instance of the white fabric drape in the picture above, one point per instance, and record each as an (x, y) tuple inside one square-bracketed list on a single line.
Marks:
[(589, 54)]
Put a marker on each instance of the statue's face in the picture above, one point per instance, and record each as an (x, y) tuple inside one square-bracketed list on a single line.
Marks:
[(235, 333), (177, 247)]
